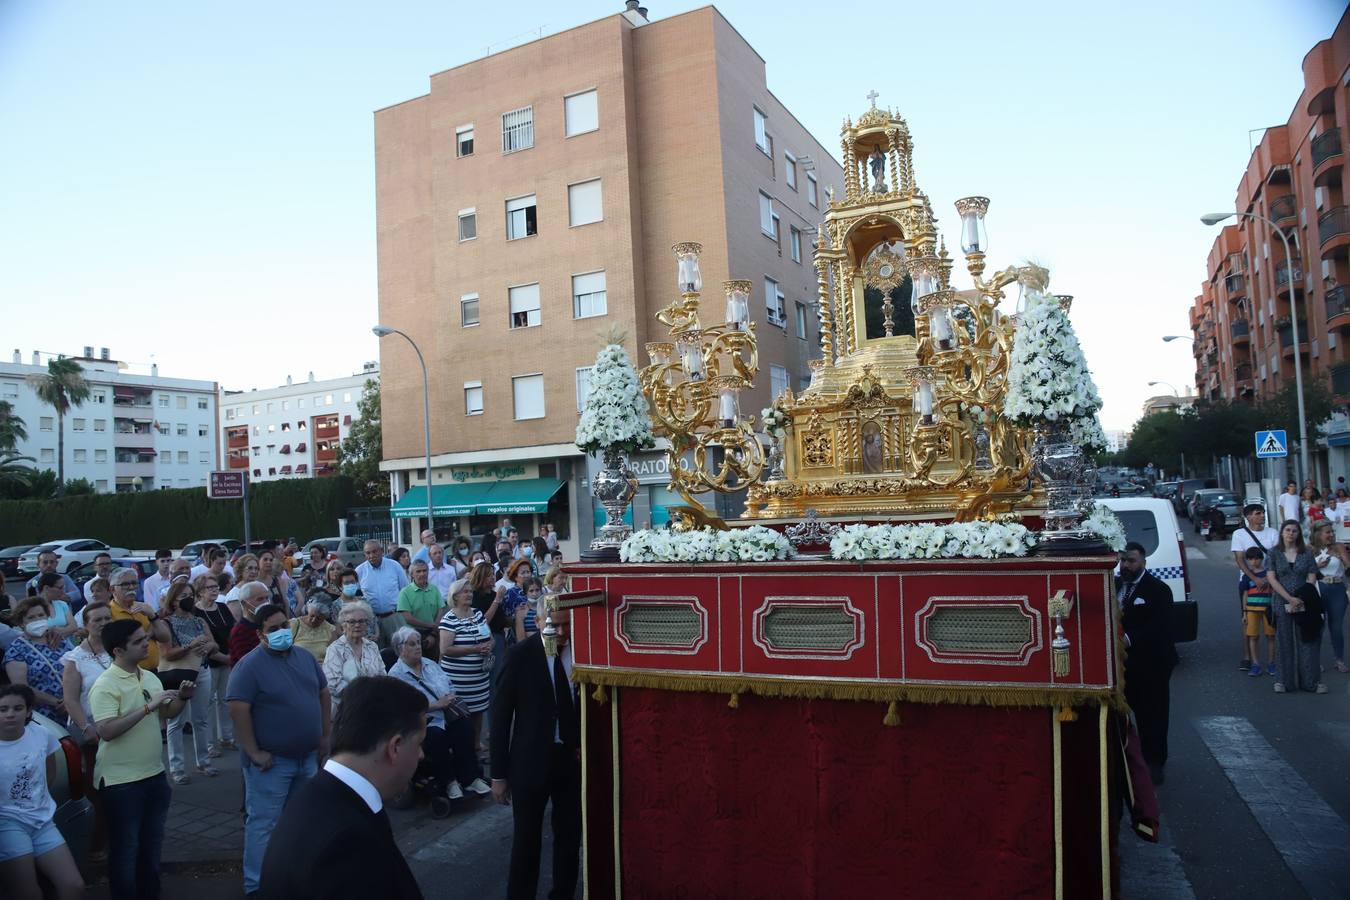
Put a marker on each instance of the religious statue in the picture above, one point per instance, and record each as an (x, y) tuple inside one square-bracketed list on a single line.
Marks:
[(872, 459), (877, 163)]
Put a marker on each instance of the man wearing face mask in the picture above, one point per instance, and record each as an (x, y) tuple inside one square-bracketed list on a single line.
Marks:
[(244, 635), (280, 707)]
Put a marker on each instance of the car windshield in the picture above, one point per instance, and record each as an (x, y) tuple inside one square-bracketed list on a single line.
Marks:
[(1221, 497)]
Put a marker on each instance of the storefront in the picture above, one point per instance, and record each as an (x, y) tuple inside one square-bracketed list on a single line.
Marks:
[(649, 506)]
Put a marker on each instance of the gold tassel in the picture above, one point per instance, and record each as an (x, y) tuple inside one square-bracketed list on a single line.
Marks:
[(599, 695), (735, 701), (1067, 714), (892, 719), (1061, 663)]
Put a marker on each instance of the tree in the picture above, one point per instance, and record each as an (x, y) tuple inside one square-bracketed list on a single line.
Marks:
[(12, 428), (78, 487), (359, 454), (1281, 409), (15, 474), (61, 388)]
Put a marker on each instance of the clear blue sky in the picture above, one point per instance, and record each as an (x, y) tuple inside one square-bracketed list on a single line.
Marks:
[(192, 183)]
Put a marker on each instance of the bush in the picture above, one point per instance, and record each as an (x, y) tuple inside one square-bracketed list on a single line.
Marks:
[(304, 508)]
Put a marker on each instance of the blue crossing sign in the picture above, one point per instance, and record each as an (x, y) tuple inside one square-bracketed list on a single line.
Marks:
[(1271, 445)]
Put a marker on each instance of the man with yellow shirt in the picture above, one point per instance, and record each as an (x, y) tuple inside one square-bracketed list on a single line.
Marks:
[(125, 606)]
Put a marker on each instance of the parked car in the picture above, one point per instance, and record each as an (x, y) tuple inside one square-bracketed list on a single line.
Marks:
[(1219, 509), (349, 550), (1182, 498), (1120, 488), (194, 550), (1164, 490), (9, 559), (1152, 522), (73, 553), (144, 566), (74, 816)]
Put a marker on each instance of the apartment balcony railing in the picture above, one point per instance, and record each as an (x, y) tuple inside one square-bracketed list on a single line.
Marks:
[(1240, 329), (1340, 378), (1337, 303), (1236, 284), (1283, 207), (1325, 146), (1287, 335), (1282, 274), (1331, 223)]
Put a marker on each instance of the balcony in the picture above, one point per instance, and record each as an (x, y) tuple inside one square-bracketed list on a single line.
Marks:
[(1324, 147), (1287, 338), (132, 469), (1338, 308), (1340, 379), (1282, 208), (1333, 224), (1241, 332), (1236, 285), (1283, 277), (236, 437)]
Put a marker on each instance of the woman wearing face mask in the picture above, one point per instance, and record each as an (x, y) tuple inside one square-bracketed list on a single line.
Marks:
[(354, 654), (461, 557), (52, 589), (34, 658), (219, 622), (185, 655), (313, 631)]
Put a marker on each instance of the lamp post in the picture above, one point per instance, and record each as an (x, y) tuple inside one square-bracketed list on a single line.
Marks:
[(381, 331), (1214, 219)]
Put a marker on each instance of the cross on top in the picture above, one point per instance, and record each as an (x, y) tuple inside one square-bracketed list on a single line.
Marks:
[(873, 95)]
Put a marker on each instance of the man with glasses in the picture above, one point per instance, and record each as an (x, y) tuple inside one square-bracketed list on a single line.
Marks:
[(127, 704), (47, 561), (280, 706), (103, 568), (126, 606)]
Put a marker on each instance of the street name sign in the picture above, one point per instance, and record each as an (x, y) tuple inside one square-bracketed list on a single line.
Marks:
[(225, 486), (1271, 445)]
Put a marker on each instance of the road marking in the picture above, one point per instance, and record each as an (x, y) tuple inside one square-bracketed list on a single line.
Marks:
[(1195, 553), (1304, 829), (1152, 870)]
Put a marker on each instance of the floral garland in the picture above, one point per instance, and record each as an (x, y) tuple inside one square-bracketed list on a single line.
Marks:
[(1106, 525), (616, 414), (753, 544), (983, 540), (1048, 377)]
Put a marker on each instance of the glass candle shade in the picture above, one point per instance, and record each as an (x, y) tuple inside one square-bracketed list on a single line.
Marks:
[(689, 278), (738, 304), (728, 407), (926, 271), (691, 360), (941, 329), (923, 400), (974, 239)]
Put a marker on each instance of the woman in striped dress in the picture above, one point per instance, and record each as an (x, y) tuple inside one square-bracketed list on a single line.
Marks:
[(466, 652)]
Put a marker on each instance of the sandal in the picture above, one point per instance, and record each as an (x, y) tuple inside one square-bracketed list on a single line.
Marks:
[(1341, 667), (213, 752), (208, 770), (181, 778), (1321, 689)]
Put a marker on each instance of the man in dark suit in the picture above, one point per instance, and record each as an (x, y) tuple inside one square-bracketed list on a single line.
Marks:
[(334, 840), (536, 710), (1146, 613)]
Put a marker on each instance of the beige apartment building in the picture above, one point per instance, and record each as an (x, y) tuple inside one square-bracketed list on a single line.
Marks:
[(528, 203)]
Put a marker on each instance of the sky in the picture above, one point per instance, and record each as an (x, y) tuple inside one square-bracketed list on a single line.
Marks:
[(192, 184)]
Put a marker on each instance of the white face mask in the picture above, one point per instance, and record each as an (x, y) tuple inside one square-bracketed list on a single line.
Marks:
[(37, 629)]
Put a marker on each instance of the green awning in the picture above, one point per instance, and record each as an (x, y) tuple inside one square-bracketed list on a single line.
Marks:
[(524, 495), (446, 500)]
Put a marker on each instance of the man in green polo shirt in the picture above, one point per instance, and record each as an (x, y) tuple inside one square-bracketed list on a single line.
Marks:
[(128, 703), (421, 602)]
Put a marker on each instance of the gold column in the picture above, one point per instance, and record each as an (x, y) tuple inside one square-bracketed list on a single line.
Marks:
[(850, 167), (894, 154), (907, 165), (823, 291)]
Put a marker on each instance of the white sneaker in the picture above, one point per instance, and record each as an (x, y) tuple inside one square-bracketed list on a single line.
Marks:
[(454, 791), (480, 787)]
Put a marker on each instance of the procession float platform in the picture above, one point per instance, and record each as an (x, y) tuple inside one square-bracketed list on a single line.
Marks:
[(820, 728)]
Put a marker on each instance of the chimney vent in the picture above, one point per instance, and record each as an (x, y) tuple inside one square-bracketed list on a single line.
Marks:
[(642, 11), (88, 352), (37, 360), (103, 353), (632, 5), (288, 380), (154, 370), (311, 376), (18, 356)]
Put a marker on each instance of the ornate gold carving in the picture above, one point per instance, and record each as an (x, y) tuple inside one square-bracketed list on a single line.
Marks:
[(972, 204)]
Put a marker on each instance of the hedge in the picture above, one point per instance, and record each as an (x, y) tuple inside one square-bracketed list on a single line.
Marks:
[(302, 508)]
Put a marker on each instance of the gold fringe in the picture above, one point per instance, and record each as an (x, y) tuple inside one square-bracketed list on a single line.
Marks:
[(1066, 714), (876, 692), (892, 719), (599, 695), (735, 701), (1061, 658)]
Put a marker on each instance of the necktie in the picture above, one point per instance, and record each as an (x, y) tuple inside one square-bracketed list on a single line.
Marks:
[(568, 728)]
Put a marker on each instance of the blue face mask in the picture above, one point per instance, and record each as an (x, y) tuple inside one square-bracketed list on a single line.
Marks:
[(351, 589), (280, 639)]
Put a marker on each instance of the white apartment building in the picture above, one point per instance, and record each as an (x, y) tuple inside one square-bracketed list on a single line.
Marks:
[(292, 431), (135, 432)]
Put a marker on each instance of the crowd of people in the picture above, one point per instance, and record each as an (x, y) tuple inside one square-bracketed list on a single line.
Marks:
[(259, 654)]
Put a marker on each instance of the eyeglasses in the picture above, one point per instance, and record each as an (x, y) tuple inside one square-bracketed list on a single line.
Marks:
[(355, 621)]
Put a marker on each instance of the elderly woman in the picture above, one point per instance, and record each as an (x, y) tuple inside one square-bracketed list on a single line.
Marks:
[(1292, 566), (555, 582), (354, 654), (219, 622), (448, 747), (100, 591), (1332, 561), (466, 652), (245, 571), (188, 652), (328, 588), (34, 658), (313, 631)]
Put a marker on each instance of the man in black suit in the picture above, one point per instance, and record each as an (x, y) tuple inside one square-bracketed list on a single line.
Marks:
[(535, 707), (1146, 613), (334, 840)]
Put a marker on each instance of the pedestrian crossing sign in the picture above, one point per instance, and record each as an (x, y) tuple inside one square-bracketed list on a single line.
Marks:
[(1271, 445)]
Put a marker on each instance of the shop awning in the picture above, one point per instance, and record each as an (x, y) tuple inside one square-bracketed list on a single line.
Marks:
[(446, 500), (1339, 439), (526, 495)]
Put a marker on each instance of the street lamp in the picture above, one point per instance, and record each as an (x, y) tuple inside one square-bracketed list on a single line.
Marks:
[(1169, 338), (1166, 384), (1214, 219), (381, 331)]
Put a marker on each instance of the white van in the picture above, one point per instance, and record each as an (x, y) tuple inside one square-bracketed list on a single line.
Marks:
[(1153, 523)]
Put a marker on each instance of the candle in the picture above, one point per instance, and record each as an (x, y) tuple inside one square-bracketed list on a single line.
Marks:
[(691, 356), (923, 401), (691, 280), (726, 403), (939, 327)]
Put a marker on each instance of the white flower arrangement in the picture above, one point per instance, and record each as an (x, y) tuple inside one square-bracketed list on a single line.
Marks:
[(1106, 525), (1048, 378), (616, 415), (982, 540), (775, 421), (1087, 433), (753, 544)]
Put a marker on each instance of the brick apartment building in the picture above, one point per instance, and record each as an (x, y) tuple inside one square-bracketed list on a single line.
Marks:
[(529, 202), (1244, 347)]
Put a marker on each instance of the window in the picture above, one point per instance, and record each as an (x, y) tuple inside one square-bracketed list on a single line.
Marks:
[(270, 407), (580, 113), (100, 424), (773, 302), (164, 401), (468, 224), (768, 222), (584, 203), (527, 392), (346, 396), (318, 400), (255, 409), (77, 424), (520, 218), (778, 381), (229, 414), (301, 426), (588, 295), (271, 429), (285, 426), (790, 170), (327, 399), (300, 403), (100, 456), (80, 456), (46, 423), (47, 455), (473, 398), (518, 129), (165, 457), (180, 401), (256, 430), (182, 429), (101, 485), (204, 458), (11, 389), (812, 190), (100, 397), (201, 403), (468, 310), (761, 131), (524, 301), (464, 141), (583, 386), (795, 243), (285, 405), (202, 431), (801, 321)]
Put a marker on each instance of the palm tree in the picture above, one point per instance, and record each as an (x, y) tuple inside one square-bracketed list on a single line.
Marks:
[(12, 428), (15, 473), (61, 388)]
